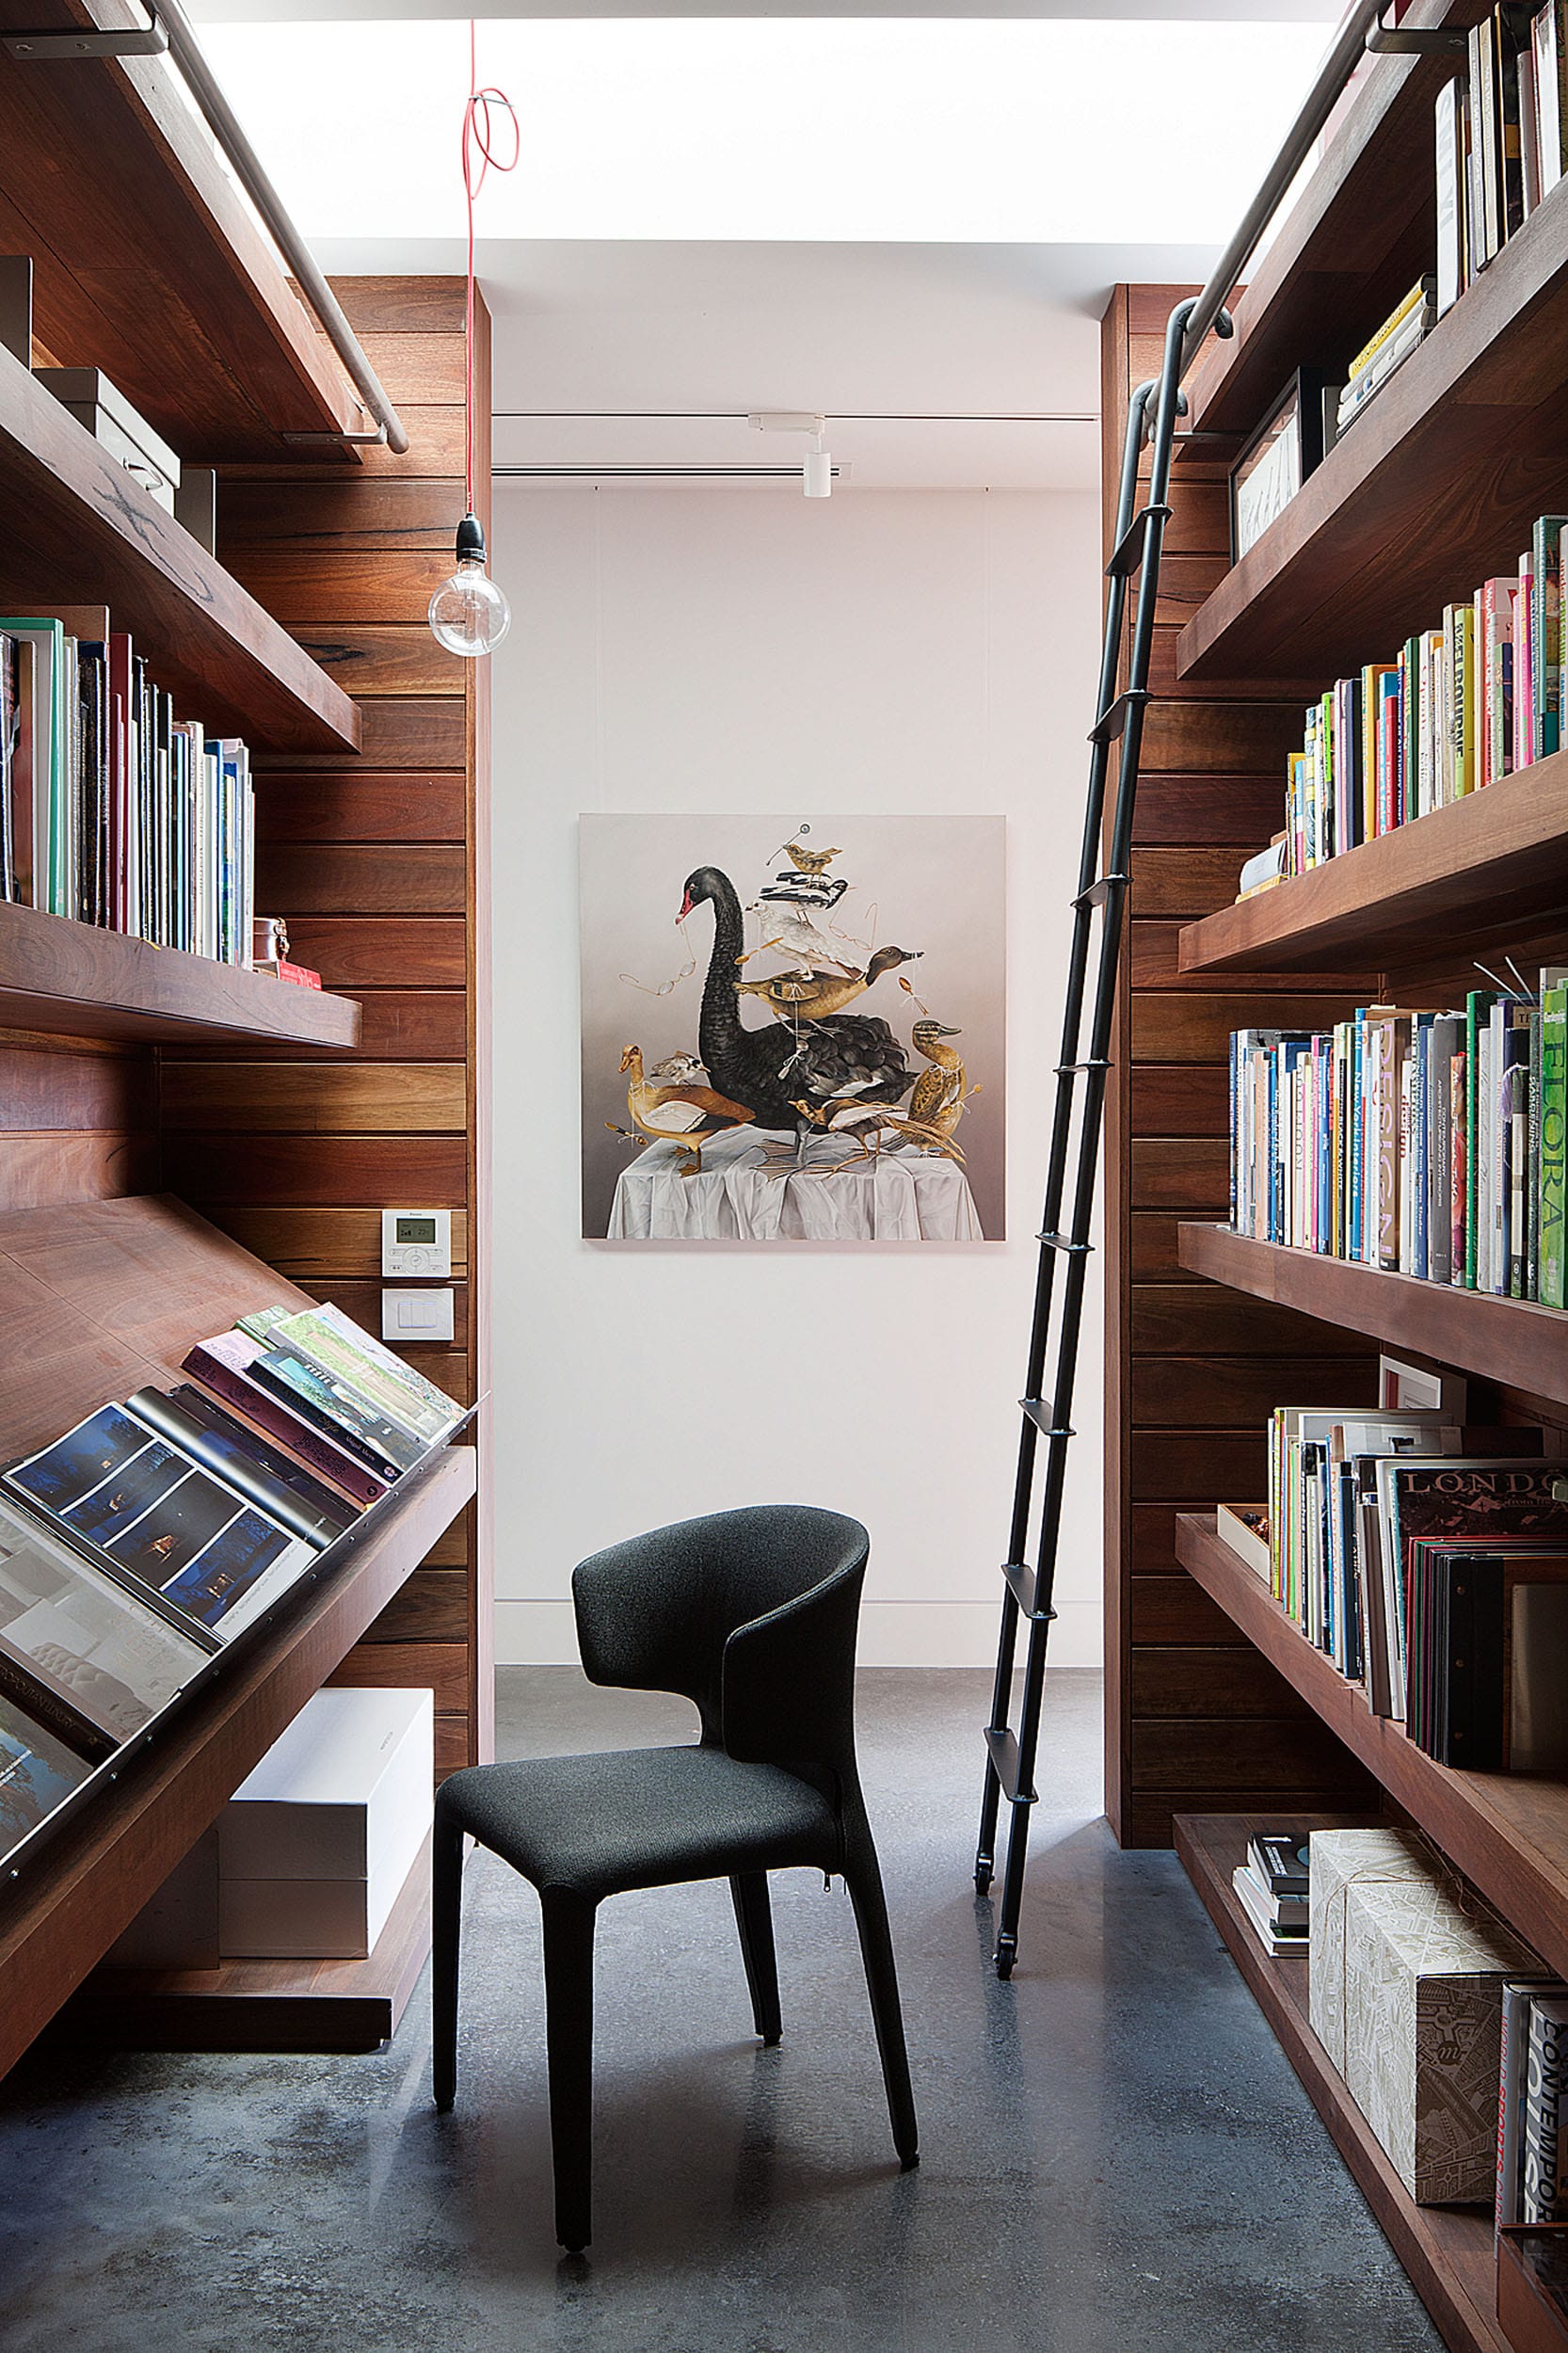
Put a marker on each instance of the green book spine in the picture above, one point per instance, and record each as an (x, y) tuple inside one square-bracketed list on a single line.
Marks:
[(1478, 1009), (1554, 1131), (1546, 619), (1532, 1164)]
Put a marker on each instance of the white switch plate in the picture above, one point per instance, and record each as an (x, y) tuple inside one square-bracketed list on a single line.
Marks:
[(416, 1241), (408, 1316)]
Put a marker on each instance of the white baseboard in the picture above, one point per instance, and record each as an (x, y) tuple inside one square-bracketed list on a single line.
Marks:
[(893, 1634)]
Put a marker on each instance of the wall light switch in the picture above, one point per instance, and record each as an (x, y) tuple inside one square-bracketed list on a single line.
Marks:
[(408, 1316), (416, 1241)]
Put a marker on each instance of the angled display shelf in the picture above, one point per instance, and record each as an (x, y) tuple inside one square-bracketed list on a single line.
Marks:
[(148, 261), (102, 1297), (76, 981), (1501, 1340), (1435, 486), (72, 515), (1448, 2250)]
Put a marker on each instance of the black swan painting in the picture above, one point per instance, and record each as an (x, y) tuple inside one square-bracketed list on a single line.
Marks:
[(770, 1067)]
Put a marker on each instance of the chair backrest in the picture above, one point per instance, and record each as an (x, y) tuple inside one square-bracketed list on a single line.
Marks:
[(752, 1614)]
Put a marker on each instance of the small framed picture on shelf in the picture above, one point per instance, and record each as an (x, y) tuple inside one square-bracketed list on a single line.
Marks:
[(1288, 446)]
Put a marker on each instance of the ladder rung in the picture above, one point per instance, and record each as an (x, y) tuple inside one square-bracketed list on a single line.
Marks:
[(1022, 1584), (1130, 551), (1040, 1412), (1100, 1062), (1112, 720), (1002, 1750), (1097, 892), (1065, 1242)]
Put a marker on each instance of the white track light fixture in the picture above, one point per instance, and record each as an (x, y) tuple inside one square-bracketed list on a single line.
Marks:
[(817, 471)]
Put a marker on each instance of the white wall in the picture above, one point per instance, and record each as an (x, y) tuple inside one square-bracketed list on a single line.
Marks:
[(680, 649)]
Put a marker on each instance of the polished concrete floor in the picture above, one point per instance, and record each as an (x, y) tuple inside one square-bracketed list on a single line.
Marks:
[(1115, 2155)]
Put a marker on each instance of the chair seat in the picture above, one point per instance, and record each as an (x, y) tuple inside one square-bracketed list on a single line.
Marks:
[(641, 1818)]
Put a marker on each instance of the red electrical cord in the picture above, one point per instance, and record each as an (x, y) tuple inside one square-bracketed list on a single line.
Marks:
[(477, 134)]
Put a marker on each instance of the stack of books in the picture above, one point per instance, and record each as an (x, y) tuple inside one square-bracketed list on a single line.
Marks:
[(1394, 340), (1533, 2123), (114, 811), (1429, 1142), (1453, 710), (137, 1547), (1502, 139), (1427, 1562), (1272, 1886)]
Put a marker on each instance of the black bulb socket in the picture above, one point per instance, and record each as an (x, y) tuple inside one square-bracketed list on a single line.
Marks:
[(471, 539)]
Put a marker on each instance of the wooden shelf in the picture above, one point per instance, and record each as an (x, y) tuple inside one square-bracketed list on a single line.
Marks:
[(1480, 865), (80, 981), (1354, 244), (1511, 1341), (1507, 1833), (76, 529), (263, 2005), (1434, 488), (1448, 2250), (148, 260)]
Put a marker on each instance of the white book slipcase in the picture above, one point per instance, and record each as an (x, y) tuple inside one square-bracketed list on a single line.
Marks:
[(316, 1846), (1406, 1972)]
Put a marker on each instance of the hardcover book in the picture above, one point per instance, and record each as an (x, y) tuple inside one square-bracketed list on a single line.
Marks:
[(37, 1773), (224, 1365)]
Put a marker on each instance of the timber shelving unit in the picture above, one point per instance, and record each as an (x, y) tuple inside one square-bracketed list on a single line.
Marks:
[(1221, 1717), (182, 1141)]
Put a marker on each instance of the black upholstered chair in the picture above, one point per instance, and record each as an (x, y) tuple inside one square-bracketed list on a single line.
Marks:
[(752, 1614)]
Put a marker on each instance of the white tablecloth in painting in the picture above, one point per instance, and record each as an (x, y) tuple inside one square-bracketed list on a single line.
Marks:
[(902, 1196)]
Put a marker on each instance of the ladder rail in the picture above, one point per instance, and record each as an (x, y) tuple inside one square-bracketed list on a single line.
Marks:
[(1056, 1167), (1138, 547)]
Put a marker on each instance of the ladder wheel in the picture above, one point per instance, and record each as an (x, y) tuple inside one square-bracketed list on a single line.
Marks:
[(982, 1880), (1007, 1953)]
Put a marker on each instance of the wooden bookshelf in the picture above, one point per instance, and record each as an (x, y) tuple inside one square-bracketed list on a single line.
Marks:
[(74, 980), (1509, 1340), (76, 528), (1448, 2250), (1350, 247), (1507, 1833), (1434, 487), (148, 260), (1482, 866)]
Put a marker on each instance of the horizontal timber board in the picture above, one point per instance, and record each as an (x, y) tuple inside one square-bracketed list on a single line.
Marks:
[(433, 1606), (328, 518), (439, 1668), (382, 952), (1242, 1753), (1241, 1392), (314, 591), (1160, 1610), (42, 1091), (363, 659), (1186, 881), (315, 1098), (428, 732), (97, 1166), (388, 806), (1195, 1466), (319, 1170), (1217, 738), (1223, 1683), (1179, 1100), (1169, 1025), (312, 1243), (1168, 1170), (361, 878), (1198, 1318), (1204, 809)]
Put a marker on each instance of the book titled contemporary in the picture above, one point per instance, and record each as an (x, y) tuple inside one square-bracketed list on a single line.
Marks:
[(793, 1029)]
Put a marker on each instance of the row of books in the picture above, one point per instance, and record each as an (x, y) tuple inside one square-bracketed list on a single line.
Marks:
[(1423, 1142), (1393, 343), (1533, 2111), (1455, 709), (1429, 1563), (137, 1547), (1502, 137), (113, 810)]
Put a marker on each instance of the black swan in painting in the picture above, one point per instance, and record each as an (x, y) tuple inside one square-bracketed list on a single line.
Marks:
[(845, 1054)]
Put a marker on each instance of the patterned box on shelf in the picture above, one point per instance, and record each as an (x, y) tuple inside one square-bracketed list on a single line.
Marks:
[(1405, 1980)]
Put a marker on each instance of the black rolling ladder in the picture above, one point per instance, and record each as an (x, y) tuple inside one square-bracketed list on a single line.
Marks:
[(1080, 1081)]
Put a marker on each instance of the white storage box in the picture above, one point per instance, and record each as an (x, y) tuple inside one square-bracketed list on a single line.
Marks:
[(316, 1846), (1407, 1971)]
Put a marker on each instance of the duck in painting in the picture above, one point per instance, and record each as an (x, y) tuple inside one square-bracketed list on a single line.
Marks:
[(937, 1100), (790, 930), (817, 996), (810, 862), (672, 1114), (679, 1070), (864, 1125)]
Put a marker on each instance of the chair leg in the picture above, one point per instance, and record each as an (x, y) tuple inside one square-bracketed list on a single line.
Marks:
[(446, 1904), (754, 1918), (864, 1880), (569, 1985)]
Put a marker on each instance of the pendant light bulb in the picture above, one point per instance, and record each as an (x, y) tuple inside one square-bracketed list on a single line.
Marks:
[(469, 614)]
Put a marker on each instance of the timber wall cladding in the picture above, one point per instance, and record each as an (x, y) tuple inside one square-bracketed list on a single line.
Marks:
[(1197, 1720), (78, 1121), (378, 863)]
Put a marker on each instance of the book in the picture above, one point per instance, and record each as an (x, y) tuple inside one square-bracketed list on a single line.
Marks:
[(160, 1519), (1281, 1861), (1246, 1532), (1544, 2185), (1473, 1499), (38, 1772), (244, 1463), (1451, 276), (1277, 1942), (81, 1633), (331, 1342), (224, 1365), (340, 1411)]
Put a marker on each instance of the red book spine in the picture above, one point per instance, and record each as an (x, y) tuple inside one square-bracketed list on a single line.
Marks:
[(300, 974), (270, 1413)]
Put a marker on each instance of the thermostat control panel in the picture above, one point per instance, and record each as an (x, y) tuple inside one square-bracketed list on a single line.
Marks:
[(416, 1242)]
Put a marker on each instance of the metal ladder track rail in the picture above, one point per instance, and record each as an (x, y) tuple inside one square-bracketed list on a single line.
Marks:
[(1138, 542)]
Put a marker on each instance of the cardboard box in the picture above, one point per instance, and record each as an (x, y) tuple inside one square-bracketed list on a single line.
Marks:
[(1406, 1970), (316, 1846)]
